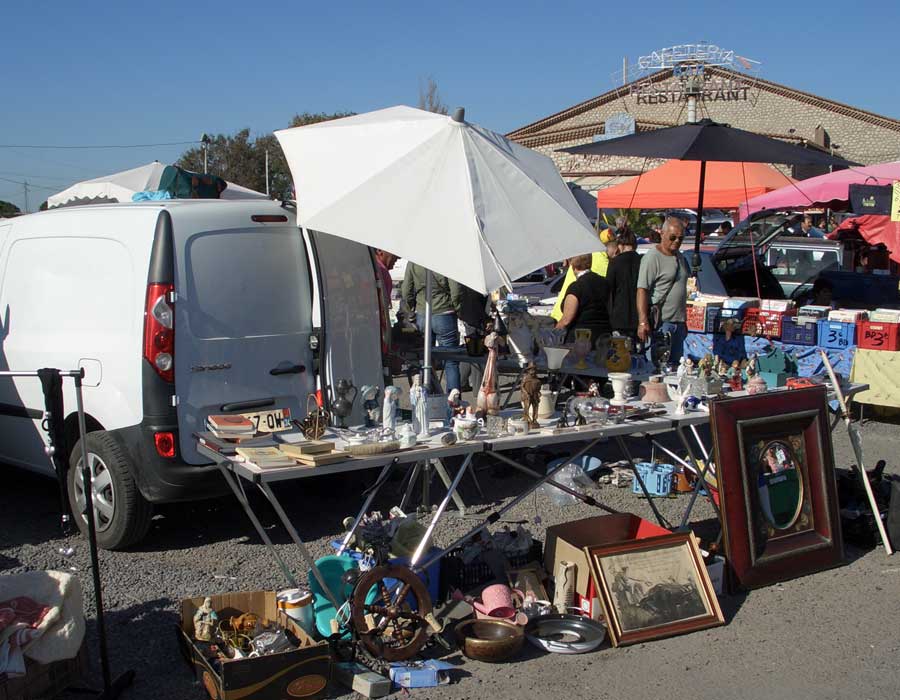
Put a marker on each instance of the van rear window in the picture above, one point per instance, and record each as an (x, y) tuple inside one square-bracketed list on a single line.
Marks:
[(243, 283)]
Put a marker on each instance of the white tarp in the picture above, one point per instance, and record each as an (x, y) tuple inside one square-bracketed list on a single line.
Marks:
[(119, 187)]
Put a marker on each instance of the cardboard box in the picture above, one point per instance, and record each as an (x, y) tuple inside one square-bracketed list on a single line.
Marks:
[(431, 673), (298, 673), (566, 542), (361, 680)]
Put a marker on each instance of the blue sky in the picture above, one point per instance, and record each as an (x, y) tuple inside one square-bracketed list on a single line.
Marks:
[(91, 73)]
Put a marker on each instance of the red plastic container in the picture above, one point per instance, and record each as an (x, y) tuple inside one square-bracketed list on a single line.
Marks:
[(750, 324), (770, 322), (872, 335), (696, 318)]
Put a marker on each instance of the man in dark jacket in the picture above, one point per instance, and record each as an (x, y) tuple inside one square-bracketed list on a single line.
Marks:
[(621, 278)]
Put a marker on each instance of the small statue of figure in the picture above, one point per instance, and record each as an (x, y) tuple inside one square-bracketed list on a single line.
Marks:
[(531, 395), (205, 620), (594, 390), (456, 404), (721, 367), (488, 400), (418, 400), (389, 408), (682, 366), (369, 395), (734, 376), (688, 366)]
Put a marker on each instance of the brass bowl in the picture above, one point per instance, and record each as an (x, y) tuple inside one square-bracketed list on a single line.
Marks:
[(489, 640)]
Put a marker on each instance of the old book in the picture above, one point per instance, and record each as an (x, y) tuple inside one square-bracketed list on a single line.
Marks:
[(320, 459), (230, 424), (309, 447), (264, 457)]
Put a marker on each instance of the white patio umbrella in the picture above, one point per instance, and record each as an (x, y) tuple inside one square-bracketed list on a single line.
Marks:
[(448, 195), (119, 187)]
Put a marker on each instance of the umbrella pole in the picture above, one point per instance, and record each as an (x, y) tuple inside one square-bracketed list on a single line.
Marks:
[(426, 364), (695, 263)]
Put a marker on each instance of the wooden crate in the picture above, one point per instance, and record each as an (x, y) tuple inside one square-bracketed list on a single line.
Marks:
[(42, 681)]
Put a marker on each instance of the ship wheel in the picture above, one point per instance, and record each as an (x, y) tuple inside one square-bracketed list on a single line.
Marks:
[(390, 610)]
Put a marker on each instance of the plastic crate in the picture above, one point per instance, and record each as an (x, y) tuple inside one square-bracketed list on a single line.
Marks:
[(750, 324), (456, 574), (771, 322), (879, 336), (696, 318), (836, 334), (711, 322), (799, 332), (656, 477)]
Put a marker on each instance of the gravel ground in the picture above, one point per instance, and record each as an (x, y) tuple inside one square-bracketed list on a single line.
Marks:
[(831, 635)]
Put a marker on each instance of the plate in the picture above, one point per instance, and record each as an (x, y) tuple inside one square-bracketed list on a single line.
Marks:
[(565, 634), (273, 421)]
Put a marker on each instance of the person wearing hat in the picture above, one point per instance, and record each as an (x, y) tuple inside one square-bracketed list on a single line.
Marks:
[(599, 264)]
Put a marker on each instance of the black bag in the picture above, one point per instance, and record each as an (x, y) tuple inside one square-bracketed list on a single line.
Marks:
[(871, 199)]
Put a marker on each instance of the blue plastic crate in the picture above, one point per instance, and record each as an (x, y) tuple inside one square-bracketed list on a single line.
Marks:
[(836, 334), (711, 322), (656, 477), (799, 333)]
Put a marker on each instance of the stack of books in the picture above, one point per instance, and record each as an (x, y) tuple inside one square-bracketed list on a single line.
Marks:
[(230, 426), (265, 457), (313, 453)]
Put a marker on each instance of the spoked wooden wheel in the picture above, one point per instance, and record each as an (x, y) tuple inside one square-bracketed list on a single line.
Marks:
[(389, 607)]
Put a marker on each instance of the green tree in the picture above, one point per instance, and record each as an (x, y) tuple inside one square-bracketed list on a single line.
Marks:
[(8, 209), (242, 160)]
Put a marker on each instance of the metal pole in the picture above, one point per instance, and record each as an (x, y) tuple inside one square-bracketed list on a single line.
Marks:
[(365, 507), (426, 362), (695, 263), (87, 478), (440, 511), (267, 172)]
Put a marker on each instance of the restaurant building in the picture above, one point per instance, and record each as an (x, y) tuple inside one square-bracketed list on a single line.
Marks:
[(727, 89)]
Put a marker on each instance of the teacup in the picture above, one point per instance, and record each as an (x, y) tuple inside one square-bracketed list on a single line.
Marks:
[(517, 426), (467, 428)]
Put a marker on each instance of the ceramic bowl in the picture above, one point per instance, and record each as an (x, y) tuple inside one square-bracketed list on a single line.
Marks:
[(517, 426), (489, 640)]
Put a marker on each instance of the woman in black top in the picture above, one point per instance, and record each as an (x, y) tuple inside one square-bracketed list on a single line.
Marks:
[(621, 278), (585, 303)]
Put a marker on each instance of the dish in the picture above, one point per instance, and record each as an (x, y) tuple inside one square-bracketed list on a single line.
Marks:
[(489, 640), (565, 634)]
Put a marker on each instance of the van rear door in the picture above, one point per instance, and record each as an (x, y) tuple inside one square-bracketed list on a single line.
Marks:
[(243, 321)]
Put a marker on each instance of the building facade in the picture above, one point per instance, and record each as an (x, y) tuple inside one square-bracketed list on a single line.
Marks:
[(659, 100)]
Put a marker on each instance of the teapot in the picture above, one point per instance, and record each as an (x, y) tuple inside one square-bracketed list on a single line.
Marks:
[(342, 405)]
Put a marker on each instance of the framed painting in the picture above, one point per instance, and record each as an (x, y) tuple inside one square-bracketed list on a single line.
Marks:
[(775, 470), (653, 588)]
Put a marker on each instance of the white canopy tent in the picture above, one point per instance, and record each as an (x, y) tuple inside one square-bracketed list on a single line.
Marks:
[(119, 187)]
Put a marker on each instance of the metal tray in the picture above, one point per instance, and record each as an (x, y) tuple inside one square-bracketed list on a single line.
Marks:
[(565, 634)]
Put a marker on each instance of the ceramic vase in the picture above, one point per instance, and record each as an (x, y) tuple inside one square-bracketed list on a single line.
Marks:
[(619, 381), (582, 347), (619, 358)]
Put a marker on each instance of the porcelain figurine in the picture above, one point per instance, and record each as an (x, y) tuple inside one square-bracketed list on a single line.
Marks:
[(682, 367), (418, 400), (594, 390), (488, 400), (531, 395), (369, 394), (455, 403), (389, 408), (205, 620)]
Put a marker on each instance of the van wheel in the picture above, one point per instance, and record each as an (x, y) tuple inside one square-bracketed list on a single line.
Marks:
[(121, 514)]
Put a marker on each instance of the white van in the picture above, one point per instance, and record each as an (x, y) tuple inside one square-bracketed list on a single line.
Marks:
[(174, 310)]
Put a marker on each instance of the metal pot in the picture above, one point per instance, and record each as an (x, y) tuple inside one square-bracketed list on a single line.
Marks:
[(489, 640)]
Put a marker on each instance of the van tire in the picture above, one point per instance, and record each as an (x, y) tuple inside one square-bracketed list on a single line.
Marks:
[(130, 511)]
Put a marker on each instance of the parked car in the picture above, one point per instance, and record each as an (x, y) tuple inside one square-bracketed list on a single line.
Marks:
[(175, 310)]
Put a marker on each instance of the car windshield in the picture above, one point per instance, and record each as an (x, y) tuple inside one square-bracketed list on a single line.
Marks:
[(758, 230)]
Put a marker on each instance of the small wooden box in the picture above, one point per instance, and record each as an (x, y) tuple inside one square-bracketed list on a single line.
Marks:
[(298, 673), (43, 681)]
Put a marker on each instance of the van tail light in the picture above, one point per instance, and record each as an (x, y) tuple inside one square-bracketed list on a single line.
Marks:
[(165, 444), (159, 330)]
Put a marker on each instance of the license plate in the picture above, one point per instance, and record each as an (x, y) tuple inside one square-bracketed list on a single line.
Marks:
[(270, 421)]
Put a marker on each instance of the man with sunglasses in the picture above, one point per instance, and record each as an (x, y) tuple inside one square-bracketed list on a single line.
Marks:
[(662, 288)]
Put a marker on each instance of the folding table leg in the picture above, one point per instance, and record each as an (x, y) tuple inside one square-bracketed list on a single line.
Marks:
[(701, 477), (624, 449), (497, 514), (376, 487), (304, 552), (410, 485), (451, 490), (242, 499), (445, 478)]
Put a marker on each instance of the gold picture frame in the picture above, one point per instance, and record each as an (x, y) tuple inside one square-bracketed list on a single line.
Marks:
[(653, 588)]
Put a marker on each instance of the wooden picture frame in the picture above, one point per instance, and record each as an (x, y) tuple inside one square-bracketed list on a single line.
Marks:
[(530, 580), (778, 498), (653, 588)]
